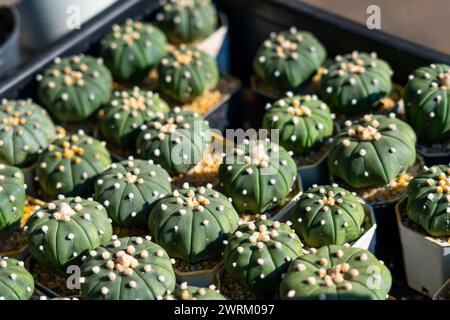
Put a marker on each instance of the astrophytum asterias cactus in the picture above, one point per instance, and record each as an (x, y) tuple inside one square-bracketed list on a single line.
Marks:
[(16, 283), (259, 253), (62, 231), (127, 269), (336, 273), (70, 165), (303, 122), (175, 140), (287, 59), (325, 215), (354, 83), (74, 87), (429, 200), (187, 73), (25, 130), (258, 176), (372, 151), (12, 196), (129, 189), (186, 292), (192, 223), (126, 112), (427, 105), (133, 49), (187, 21)]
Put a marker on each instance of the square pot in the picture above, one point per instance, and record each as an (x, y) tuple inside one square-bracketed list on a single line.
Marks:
[(200, 278)]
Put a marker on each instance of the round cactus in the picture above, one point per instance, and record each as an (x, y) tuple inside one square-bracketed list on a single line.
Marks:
[(426, 98), (185, 292), (25, 130), (70, 165), (429, 199), (259, 253), (371, 152), (187, 21), (132, 50), (192, 223), (127, 269), (175, 140), (336, 273), (326, 215), (355, 83), (74, 87), (64, 230), (187, 73), (128, 190), (12, 196), (258, 176), (126, 112), (303, 122), (287, 59), (16, 283)]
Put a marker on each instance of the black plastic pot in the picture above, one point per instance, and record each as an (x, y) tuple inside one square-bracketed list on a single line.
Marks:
[(9, 40)]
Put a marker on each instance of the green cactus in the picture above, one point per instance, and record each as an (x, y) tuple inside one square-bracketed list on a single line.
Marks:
[(287, 59), (426, 98), (126, 112), (428, 201), (62, 231), (355, 83), (129, 189), (336, 273), (326, 215), (258, 176), (187, 21), (187, 73), (133, 49), (25, 130), (12, 196), (303, 122), (175, 140), (74, 87), (127, 269), (185, 292), (70, 165), (192, 223), (372, 151), (259, 253), (16, 283)]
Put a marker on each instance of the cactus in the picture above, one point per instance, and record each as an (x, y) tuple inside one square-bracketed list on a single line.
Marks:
[(428, 201), (12, 196), (127, 269), (128, 190), (185, 292), (426, 99), (187, 73), (258, 176), (175, 140), (355, 83), (259, 253), (336, 273), (70, 165), (126, 112), (287, 59), (16, 283), (303, 122), (62, 231), (372, 151), (192, 223), (326, 215), (74, 87), (187, 21), (25, 130), (133, 49)]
